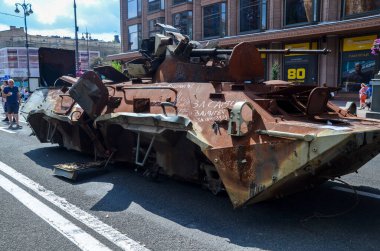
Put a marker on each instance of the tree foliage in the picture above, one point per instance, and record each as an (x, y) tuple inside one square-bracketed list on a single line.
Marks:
[(117, 66), (275, 71)]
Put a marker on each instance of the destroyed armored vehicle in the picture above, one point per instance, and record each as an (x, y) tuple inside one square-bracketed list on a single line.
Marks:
[(205, 115)]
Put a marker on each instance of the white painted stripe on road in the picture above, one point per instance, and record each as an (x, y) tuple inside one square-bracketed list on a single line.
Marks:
[(5, 129), (89, 220), (75, 234), (367, 194)]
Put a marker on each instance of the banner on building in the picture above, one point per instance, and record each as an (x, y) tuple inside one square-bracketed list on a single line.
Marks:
[(357, 51)]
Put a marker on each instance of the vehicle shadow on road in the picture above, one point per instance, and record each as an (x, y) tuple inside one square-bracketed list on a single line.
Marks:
[(311, 220), (306, 221)]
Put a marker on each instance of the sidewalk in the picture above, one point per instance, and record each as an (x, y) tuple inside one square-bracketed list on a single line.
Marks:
[(342, 104), (342, 98)]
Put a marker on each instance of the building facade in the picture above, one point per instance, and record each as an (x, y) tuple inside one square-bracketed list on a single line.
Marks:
[(13, 62), (13, 52), (346, 27)]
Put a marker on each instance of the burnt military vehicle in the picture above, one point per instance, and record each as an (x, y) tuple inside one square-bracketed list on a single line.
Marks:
[(205, 115)]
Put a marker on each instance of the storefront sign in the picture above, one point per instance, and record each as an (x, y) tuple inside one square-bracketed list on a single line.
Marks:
[(358, 43), (301, 68)]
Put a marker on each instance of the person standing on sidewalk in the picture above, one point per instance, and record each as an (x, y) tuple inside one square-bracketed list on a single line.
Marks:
[(4, 100), (13, 102), (363, 95)]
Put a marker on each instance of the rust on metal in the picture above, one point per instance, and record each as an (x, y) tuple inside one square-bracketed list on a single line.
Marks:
[(204, 115)]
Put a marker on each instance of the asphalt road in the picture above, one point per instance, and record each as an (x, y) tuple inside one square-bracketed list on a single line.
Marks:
[(171, 215)]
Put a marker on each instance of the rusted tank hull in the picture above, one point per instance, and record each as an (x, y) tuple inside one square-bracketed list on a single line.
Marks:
[(192, 140), (256, 173)]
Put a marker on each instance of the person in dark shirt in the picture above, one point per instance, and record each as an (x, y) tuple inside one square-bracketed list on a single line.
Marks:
[(358, 76), (13, 96)]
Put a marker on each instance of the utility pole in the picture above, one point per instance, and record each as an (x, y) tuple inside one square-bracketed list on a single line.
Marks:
[(76, 40), (87, 36)]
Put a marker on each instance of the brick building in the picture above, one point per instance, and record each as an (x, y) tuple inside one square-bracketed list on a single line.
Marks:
[(347, 27), (13, 51), (15, 37)]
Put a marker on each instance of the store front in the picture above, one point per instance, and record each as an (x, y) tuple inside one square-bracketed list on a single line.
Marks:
[(301, 68), (358, 64)]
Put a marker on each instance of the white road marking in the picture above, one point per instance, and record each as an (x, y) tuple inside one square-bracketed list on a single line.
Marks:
[(75, 234), (89, 220), (367, 194), (5, 129)]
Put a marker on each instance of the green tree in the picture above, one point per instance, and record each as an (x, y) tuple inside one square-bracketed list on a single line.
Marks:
[(117, 65), (276, 71)]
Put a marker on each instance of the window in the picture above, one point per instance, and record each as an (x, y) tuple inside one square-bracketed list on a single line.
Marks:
[(252, 15), (358, 7), (214, 20), (184, 22), (134, 8), (12, 58), (153, 29), (181, 1), (134, 37), (301, 11), (155, 5), (357, 63)]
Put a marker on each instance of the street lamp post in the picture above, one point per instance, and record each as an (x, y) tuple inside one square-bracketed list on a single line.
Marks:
[(76, 40), (27, 7), (87, 36)]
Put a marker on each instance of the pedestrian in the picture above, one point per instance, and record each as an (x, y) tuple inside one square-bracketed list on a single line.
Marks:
[(4, 100), (26, 94), (368, 101), (13, 96), (363, 95)]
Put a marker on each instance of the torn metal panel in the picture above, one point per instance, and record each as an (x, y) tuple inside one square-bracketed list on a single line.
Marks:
[(96, 97)]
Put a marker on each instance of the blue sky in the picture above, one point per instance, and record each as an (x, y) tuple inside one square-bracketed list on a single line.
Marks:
[(56, 17)]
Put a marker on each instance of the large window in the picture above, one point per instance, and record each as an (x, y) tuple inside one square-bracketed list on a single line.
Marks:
[(357, 63), (184, 22), (153, 29), (252, 15), (360, 7), (155, 5), (301, 11), (214, 20), (134, 37), (181, 1), (134, 8)]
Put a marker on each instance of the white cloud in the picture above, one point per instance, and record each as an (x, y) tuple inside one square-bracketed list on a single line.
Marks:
[(103, 36), (52, 32), (56, 17), (4, 27), (47, 12), (69, 33)]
